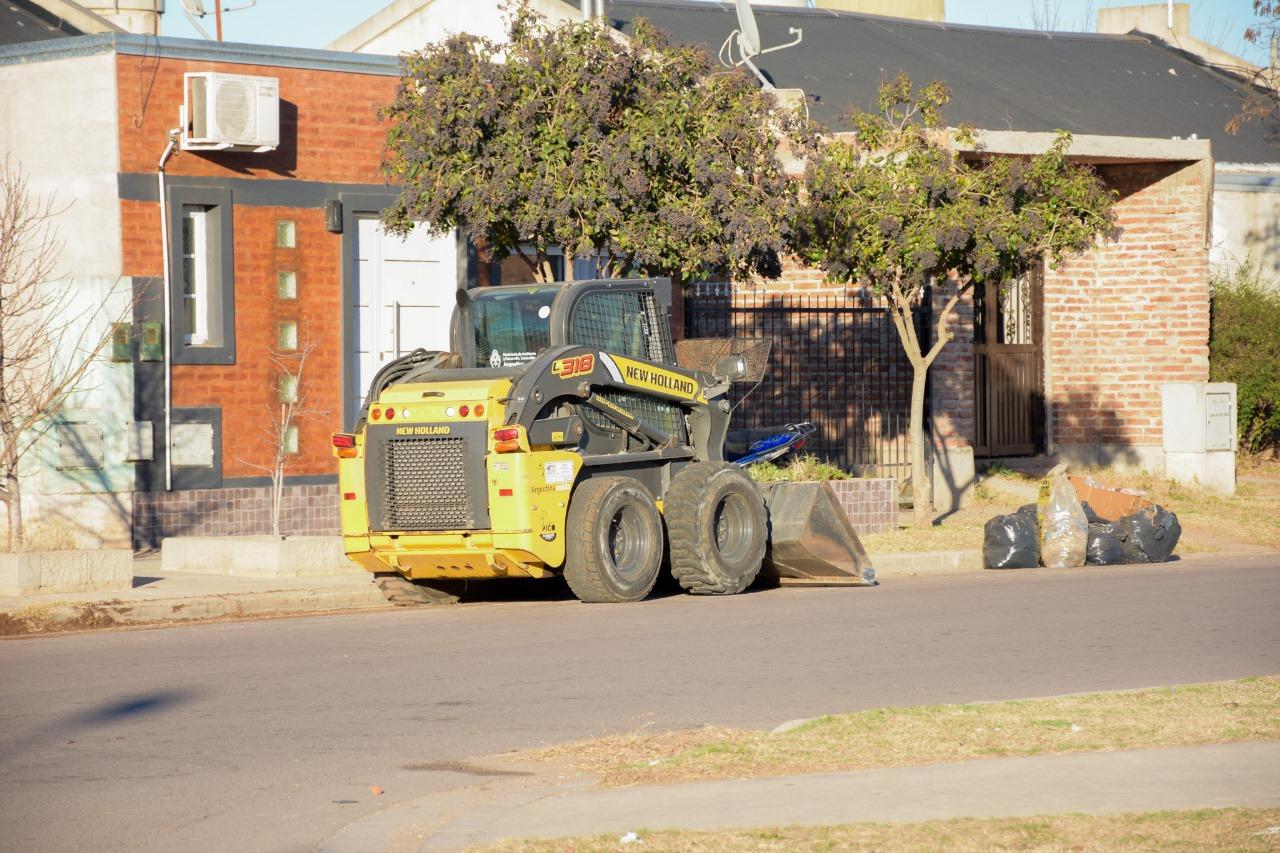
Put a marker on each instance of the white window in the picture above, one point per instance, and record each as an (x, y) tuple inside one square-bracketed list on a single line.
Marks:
[(197, 272)]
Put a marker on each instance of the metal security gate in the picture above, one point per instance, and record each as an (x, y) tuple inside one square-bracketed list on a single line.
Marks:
[(836, 361), (1009, 368)]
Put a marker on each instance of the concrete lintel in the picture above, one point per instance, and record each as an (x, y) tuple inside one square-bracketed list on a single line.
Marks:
[(1114, 149), (1086, 147), (166, 47)]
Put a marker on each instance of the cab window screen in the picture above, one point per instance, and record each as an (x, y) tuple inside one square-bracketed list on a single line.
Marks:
[(512, 328), (626, 323)]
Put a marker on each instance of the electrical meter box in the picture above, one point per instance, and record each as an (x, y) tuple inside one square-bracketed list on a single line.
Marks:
[(1200, 433)]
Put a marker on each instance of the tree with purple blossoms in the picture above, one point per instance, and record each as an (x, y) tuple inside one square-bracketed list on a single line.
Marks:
[(631, 151), (899, 207)]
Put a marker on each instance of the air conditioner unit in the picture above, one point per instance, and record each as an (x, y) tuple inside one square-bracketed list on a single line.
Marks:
[(230, 112)]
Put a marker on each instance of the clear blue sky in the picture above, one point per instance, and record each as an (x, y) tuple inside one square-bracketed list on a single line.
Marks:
[(314, 23)]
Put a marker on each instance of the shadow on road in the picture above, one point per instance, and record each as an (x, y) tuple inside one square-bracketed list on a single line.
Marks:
[(103, 714)]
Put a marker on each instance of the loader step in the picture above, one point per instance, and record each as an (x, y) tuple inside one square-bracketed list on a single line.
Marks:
[(406, 593)]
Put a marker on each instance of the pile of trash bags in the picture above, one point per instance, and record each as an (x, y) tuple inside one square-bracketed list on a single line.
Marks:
[(1068, 534)]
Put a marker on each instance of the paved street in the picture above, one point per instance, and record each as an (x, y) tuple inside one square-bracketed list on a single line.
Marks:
[(268, 735)]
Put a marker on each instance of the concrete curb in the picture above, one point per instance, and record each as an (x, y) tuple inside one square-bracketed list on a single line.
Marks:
[(927, 562), (552, 802), (72, 616)]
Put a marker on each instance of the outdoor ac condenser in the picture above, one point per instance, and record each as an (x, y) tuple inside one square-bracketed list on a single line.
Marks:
[(230, 112)]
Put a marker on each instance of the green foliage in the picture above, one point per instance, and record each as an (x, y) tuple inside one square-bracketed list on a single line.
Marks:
[(630, 149), (1244, 348), (801, 469), (897, 207)]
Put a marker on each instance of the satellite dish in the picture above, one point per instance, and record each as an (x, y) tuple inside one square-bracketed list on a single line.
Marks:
[(746, 40), (748, 32)]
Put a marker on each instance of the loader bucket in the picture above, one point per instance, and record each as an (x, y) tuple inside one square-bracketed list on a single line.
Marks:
[(810, 539)]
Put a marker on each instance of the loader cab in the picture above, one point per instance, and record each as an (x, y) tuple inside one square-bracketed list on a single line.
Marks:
[(506, 327), (509, 325)]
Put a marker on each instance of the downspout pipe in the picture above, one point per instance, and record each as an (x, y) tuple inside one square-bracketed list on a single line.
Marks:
[(168, 312), (585, 6)]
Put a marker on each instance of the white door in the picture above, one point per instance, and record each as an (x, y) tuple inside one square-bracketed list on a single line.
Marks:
[(404, 297)]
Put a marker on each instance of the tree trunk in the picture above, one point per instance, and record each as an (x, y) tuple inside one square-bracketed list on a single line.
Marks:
[(13, 505), (921, 499), (277, 492)]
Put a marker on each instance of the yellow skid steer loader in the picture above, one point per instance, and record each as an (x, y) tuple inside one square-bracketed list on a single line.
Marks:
[(559, 436)]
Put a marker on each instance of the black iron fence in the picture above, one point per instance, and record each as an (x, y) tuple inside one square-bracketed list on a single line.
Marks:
[(835, 361)]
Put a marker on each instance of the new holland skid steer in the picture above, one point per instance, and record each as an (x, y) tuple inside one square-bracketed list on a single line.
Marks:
[(559, 436)]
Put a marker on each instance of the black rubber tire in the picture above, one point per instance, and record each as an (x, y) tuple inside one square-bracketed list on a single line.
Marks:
[(614, 541), (718, 528)]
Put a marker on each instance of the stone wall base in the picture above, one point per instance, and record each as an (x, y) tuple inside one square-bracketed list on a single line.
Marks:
[(258, 556), (36, 572), (1125, 458), (871, 503), (305, 511)]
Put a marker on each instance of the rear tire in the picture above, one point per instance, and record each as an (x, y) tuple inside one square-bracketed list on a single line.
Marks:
[(614, 541), (718, 527)]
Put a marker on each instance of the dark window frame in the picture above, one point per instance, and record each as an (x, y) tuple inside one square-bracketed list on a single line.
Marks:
[(218, 202)]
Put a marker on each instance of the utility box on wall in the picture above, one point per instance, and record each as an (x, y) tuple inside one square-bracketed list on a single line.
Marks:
[(1200, 433)]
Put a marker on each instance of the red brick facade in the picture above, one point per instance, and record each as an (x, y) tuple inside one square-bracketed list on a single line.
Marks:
[(330, 132)]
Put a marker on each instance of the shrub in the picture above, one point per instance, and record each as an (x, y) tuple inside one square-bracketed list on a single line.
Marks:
[(1244, 348), (800, 469)]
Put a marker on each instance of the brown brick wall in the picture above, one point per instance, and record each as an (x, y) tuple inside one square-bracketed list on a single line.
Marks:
[(1132, 314)]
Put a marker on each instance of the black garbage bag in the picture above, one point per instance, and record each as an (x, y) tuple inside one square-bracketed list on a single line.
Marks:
[(1149, 535), (1093, 517), (1105, 547), (1012, 541)]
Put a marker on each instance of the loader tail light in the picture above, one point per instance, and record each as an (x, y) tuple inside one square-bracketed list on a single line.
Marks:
[(479, 410), (375, 414), (506, 440), (464, 410), (344, 445)]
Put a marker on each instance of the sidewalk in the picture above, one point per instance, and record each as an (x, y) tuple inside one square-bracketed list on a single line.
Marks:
[(160, 596), (1217, 776)]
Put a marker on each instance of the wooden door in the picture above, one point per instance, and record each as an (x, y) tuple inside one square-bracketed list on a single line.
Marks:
[(1009, 368)]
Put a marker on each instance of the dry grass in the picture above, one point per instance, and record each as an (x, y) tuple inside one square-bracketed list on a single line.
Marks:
[(1206, 829), (1248, 520), (1225, 712)]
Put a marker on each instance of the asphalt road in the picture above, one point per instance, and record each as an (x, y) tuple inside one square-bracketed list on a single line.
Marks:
[(268, 735)]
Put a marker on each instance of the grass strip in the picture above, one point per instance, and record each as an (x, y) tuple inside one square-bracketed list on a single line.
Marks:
[(1205, 829), (1222, 712)]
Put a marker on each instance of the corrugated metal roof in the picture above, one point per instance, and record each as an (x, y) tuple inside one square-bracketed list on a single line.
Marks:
[(1000, 79), (22, 22)]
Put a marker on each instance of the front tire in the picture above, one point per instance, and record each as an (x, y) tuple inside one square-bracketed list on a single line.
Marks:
[(615, 541), (718, 528)]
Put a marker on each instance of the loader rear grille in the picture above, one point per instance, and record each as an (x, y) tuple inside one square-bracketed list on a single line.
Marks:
[(425, 484)]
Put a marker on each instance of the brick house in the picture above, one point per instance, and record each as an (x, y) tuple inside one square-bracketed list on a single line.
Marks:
[(268, 251), (1068, 363)]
